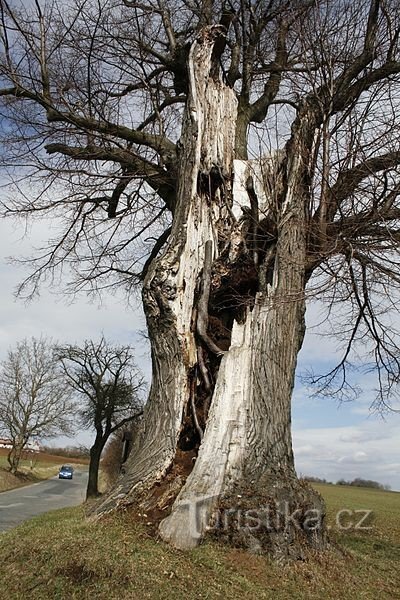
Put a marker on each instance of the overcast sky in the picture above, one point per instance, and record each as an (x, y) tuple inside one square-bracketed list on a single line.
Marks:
[(330, 440)]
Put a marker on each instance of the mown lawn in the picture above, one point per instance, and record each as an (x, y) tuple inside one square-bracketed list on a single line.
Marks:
[(61, 555)]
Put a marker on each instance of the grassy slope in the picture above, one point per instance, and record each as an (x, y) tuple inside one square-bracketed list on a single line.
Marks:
[(44, 466), (61, 555)]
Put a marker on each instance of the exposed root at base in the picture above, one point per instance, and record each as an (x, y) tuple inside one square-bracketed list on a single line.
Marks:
[(285, 521)]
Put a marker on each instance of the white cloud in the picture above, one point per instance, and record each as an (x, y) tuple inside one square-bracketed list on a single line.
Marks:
[(369, 450), (304, 450), (55, 316)]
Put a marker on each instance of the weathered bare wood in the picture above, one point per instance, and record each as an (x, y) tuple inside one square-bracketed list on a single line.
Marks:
[(242, 443), (193, 408), (202, 308), (170, 285), (203, 369)]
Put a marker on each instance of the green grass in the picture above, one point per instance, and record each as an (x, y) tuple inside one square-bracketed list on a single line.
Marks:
[(61, 555), (38, 466), (384, 520), (41, 469)]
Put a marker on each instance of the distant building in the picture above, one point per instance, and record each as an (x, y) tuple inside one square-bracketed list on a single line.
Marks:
[(30, 446), (4, 443)]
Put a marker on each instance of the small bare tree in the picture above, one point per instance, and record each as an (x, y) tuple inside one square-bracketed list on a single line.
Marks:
[(33, 399), (110, 386)]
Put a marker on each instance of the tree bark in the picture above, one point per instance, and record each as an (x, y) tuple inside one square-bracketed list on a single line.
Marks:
[(14, 457), (250, 216), (92, 490), (170, 287)]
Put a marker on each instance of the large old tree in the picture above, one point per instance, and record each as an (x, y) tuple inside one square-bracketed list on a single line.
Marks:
[(229, 157)]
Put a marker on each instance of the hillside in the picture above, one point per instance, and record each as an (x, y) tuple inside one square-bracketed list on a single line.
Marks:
[(45, 457), (42, 466), (61, 555)]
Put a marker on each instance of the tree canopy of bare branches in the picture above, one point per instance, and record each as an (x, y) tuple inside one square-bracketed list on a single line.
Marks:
[(93, 98), (109, 391), (231, 158), (33, 400)]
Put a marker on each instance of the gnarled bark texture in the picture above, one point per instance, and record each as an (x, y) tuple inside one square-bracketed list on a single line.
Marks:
[(225, 311), (14, 456)]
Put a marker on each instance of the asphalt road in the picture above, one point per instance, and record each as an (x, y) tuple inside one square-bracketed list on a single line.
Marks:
[(26, 502)]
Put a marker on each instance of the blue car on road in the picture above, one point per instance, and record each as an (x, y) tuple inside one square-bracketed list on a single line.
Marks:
[(65, 472)]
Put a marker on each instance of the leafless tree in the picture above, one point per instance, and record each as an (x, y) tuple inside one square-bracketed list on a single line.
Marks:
[(231, 158), (109, 388), (33, 399)]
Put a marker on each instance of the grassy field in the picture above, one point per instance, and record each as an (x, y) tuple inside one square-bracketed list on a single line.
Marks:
[(61, 556), (41, 467)]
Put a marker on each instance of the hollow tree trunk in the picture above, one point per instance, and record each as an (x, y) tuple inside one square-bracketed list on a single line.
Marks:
[(225, 311), (170, 288)]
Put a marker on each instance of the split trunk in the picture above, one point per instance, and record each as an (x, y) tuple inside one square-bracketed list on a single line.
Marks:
[(225, 310)]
